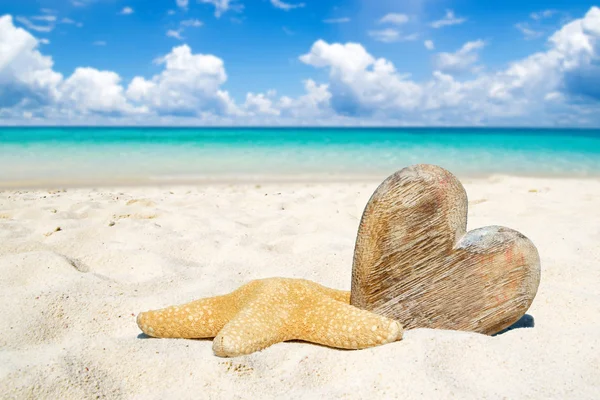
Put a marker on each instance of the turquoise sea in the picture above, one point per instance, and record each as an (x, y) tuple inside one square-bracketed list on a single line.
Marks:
[(163, 154)]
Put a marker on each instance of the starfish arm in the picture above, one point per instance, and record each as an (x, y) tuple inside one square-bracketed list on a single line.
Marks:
[(269, 311), (335, 294), (256, 327), (336, 324), (198, 319)]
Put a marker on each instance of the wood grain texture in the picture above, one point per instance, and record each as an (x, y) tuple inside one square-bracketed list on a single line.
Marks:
[(415, 262)]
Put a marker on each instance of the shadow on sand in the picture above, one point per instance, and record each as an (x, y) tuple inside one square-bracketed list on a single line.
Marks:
[(526, 321)]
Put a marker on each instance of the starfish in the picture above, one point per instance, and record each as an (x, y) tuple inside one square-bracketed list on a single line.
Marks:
[(268, 311)]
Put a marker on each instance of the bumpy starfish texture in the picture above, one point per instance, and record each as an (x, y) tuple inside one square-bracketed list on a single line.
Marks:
[(268, 311)]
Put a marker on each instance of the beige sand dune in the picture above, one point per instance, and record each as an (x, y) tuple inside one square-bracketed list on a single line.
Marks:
[(69, 296)]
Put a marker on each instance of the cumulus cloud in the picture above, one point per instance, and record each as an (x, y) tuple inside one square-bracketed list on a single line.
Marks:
[(578, 48), (189, 84), (429, 45), (90, 90), (314, 104), (360, 83), (260, 104), (182, 4), (448, 20), (286, 6), (26, 76), (559, 85), (462, 60)]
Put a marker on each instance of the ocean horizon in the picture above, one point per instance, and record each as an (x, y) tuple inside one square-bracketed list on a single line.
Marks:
[(80, 154)]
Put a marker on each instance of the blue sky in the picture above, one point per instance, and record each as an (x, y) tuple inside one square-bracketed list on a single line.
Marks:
[(415, 62)]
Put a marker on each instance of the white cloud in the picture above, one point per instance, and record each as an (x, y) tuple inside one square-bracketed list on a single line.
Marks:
[(28, 81), (553, 96), (189, 84), (360, 83), (44, 41), (556, 86), (82, 3), (385, 35), (194, 23), (543, 14), (286, 6), (99, 43), (182, 4), (175, 34), (69, 21), (460, 61), (90, 90), (528, 32), (222, 6), (429, 45), (314, 104), (47, 18), (47, 11), (536, 28), (394, 18), (126, 11), (34, 27), (171, 12), (448, 20), (392, 35), (260, 104), (26, 76), (337, 20)]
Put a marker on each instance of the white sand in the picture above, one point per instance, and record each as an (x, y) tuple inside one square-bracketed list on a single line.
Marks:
[(69, 298)]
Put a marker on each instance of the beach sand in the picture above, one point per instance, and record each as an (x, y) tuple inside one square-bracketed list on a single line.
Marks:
[(77, 266)]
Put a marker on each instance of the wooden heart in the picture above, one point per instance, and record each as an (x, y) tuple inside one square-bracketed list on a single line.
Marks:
[(415, 262)]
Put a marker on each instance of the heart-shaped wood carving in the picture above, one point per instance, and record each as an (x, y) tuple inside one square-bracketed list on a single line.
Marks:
[(415, 262)]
